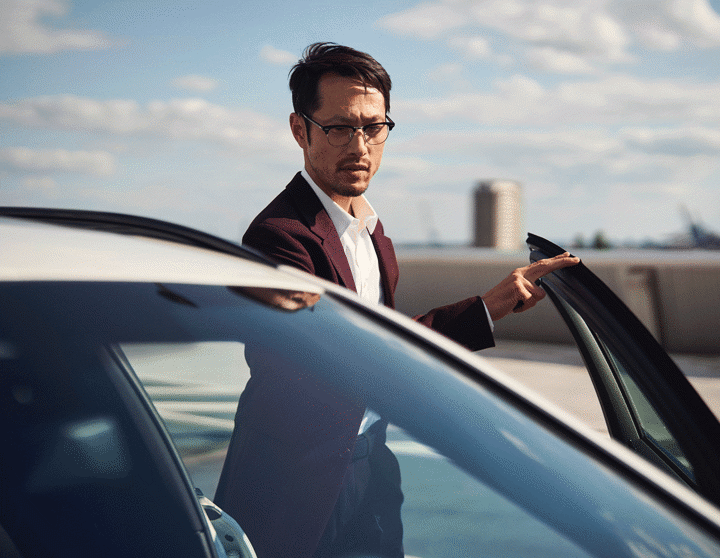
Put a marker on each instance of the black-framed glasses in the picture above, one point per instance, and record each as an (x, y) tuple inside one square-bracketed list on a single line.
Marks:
[(340, 135)]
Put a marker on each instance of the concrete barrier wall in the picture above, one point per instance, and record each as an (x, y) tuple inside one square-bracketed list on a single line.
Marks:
[(675, 294)]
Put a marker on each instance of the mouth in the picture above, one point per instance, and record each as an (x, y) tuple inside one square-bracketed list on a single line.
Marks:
[(355, 168)]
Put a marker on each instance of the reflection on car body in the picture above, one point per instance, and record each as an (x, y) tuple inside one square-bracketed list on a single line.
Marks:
[(137, 368)]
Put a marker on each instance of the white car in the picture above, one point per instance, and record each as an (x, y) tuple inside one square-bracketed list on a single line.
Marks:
[(122, 358)]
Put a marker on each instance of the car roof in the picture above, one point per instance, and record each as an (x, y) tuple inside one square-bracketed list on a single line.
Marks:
[(43, 250)]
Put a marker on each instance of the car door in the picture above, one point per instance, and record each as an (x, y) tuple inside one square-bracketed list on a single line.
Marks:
[(648, 404)]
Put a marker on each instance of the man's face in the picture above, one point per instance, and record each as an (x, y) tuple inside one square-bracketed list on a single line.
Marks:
[(341, 172)]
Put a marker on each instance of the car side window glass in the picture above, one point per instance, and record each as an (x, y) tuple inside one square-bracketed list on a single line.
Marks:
[(195, 388), (447, 512), (607, 369), (648, 420)]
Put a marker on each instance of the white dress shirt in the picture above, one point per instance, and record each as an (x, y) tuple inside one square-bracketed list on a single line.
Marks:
[(354, 232)]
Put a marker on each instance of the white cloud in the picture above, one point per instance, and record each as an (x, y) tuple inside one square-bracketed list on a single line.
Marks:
[(603, 101), (394, 164), (557, 61), (681, 142), (563, 36), (447, 73), (570, 156), (427, 20), (99, 163), (23, 31), (194, 82), (573, 146), (277, 57), (694, 20), (670, 25), (42, 184), (181, 119), (472, 48), (581, 27), (577, 26), (513, 100), (656, 38)]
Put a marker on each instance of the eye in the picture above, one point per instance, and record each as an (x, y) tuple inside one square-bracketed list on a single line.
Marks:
[(338, 131), (373, 130)]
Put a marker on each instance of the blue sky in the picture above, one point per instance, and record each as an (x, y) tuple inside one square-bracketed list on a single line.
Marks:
[(606, 111)]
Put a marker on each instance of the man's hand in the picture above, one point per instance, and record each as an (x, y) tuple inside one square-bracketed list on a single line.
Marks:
[(518, 291)]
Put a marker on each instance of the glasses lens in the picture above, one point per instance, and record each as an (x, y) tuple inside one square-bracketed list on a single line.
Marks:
[(376, 133), (339, 136)]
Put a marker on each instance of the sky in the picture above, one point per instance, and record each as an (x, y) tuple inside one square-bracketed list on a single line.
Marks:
[(607, 112)]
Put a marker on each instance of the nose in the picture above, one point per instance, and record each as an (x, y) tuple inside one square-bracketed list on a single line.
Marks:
[(358, 143)]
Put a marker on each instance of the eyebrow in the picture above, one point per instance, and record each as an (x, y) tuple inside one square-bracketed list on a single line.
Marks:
[(349, 122)]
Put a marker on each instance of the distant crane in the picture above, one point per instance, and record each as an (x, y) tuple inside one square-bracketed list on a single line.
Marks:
[(700, 237)]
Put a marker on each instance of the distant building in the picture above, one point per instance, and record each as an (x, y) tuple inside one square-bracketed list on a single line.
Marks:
[(498, 215)]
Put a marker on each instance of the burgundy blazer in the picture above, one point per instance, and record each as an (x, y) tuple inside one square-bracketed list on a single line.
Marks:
[(293, 441), (296, 230)]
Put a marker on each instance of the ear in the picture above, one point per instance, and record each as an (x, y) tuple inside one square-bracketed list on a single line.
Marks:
[(299, 131)]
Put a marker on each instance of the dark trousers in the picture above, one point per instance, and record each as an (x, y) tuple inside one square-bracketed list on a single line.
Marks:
[(366, 518)]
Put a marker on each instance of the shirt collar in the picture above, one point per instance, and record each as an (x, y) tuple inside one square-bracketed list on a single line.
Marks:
[(365, 215)]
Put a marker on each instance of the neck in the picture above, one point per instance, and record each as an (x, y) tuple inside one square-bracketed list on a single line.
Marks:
[(345, 203)]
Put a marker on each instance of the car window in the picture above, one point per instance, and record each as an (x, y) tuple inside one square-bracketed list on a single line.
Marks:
[(630, 415), (648, 419), (484, 470), (448, 512), (196, 386)]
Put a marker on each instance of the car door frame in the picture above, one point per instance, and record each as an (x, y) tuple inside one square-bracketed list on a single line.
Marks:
[(602, 324)]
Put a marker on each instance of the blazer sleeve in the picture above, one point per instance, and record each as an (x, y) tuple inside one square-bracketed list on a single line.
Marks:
[(465, 322)]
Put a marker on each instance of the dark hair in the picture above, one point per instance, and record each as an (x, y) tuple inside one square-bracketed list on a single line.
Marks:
[(330, 58)]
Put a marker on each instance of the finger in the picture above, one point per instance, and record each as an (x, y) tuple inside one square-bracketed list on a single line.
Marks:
[(540, 268), (530, 295), (536, 295)]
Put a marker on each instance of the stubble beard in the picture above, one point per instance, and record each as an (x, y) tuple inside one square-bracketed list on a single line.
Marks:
[(350, 190), (340, 180), (345, 188)]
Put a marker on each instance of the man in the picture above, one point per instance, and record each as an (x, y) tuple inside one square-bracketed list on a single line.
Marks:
[(322, 223)]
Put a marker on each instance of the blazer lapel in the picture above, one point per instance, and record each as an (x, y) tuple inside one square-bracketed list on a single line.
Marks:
[(321, 225), (389, 270)]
